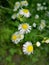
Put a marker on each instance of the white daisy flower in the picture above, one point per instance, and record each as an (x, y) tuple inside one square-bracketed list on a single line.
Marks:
[(17, 5), (44, 3), (42, 8), (24, 3), (24, 28), (25, 12), (13, 16), (38, 44), (16, 37), (34, 25), (45, 8), (28, 48), (36, 16), (38, 4), (47, 41), (42, 25)]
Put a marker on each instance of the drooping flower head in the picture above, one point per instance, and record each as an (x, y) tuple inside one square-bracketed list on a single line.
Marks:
[(17, 5)]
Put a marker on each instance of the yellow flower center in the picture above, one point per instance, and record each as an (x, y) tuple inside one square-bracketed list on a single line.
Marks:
[(14, 37), (25, 26), (25, 10), (30, 48)]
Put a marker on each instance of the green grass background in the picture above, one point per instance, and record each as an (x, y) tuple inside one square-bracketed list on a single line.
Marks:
[(10, 53)]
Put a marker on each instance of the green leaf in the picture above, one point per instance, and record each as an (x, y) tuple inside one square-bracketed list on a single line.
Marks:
[(9, 58), (12, 51)]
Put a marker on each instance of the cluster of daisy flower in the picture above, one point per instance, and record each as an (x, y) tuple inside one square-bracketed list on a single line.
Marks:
[(41, 26), (20, 4), (24, 28), (20, 10), (41, 7)]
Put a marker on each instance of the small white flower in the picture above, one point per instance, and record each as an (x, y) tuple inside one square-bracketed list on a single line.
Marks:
[(46, 41), (47, 13), (25, 12), (24, 28), (36, 16), (45, 8), (44, 3), (42, 25), (38, 44), (42, 8), (34, 25), (28, 48), (38, 4), (24, 3), (17, 5), (16, 37), (13, 16)]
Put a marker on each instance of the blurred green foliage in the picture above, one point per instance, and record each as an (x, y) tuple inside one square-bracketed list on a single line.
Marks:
[(10, 53)]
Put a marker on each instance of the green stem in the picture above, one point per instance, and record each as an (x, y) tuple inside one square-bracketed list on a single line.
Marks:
[(5, 8), (47, 27), (40, 36), (10, 3)]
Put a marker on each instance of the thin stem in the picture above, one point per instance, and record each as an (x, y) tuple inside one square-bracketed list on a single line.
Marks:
[(10, 3), (34, 44), (47, 27), (40, 36), (5, 8)]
